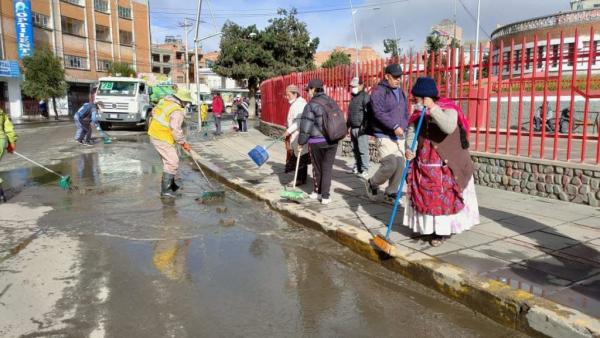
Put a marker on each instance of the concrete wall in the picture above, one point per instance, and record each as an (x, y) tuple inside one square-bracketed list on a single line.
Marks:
[(577, 183)]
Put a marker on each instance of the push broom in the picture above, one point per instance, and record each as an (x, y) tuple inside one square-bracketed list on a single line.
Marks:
[(106, 139), (383, 243), (64, 182), (214, 196), (294, 195)]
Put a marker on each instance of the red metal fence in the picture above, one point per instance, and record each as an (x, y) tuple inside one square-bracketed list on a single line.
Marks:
[(501, 94)]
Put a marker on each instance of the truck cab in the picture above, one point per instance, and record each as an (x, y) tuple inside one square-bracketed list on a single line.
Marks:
[(123, 101)]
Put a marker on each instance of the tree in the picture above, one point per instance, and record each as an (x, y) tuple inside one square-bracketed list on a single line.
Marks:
[(44, 76), (337, 58), (390, 46), (121, 69), (247, 53), (434, 43)]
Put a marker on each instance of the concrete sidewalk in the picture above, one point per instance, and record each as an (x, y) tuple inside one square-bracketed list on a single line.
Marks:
[(547, 248)]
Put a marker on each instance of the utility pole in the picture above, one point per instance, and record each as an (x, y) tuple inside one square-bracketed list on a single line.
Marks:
[(197, 64), (186, 31), (396, 41), (477, 38), (355, 37)]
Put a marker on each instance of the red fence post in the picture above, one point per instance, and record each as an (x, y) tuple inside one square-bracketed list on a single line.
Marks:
[(509, 99), (573, 86), (499, 96), (557, 117), (545, 97), (532, 102), (488, 97), (521, 87), (586, 109)]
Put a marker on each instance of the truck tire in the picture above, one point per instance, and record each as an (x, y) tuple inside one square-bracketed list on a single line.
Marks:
[(147, 123), (105, 125)]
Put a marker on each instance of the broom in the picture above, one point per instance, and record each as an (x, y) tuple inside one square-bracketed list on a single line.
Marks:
[(383, 243), (207, 196), (106, 139), (294, 195), (65, 181)]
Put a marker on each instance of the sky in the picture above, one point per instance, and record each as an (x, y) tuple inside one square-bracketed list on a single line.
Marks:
[(331, 20)]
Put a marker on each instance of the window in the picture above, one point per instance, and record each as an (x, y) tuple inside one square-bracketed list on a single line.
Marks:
[(126, 38), (571, 54), (528, 58), (72, 26), (103, 65), (555, 56), (166, 58), (178, 55), (119, 88), (506, 61), (540, 60), (102, 33), (74, 2), (76, 62), (101, 5), (180, 79), (124, 12), (155, 69), (156, 57), (40, 20), (210, 63), (517, 60), (167, 70)]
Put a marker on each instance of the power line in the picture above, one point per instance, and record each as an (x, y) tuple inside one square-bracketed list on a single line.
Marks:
[(473, 18)]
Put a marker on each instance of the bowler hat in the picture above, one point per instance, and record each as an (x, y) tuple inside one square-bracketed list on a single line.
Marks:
[(425, 87), (394, 70)]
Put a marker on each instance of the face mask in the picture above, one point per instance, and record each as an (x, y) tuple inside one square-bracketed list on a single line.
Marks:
[(292, 101), (355, 90), (419, 106)]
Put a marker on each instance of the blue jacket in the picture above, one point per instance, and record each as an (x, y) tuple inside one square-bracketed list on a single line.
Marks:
[(388, 113), (85, 112)]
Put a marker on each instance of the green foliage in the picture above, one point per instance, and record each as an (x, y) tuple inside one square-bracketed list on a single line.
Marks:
[(44, 75), (434, 43), (337, 58), (121, 69), (390, 46), (283, 47)]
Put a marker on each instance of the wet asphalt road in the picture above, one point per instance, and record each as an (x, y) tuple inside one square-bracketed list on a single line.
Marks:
[(110, 259)]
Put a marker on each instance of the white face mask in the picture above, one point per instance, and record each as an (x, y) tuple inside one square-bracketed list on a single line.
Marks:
[(355, 90), (419, 106)]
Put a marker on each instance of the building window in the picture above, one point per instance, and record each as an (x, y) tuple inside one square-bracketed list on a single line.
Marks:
[(528, 60), (178, 55), (210, 63), (72, 26), (124, 12), (76, 62), (571, 54), (101, 5), (506, 61), (156, 57), (555, 56), (103, 65), (102, 33), (517, 60), (126, 38), (166, 70), (166, 58), (540, 60), (40, 20), (74, 2), (180, 79), (155, 69)]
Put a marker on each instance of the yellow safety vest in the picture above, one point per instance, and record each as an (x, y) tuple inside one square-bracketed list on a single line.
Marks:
[(160, 127)]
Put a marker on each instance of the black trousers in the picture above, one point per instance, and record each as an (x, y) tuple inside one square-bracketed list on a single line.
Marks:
[(322, 156), (242, 125)]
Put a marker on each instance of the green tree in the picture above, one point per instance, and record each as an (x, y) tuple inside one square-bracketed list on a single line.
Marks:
[(337, 58), (390, 46), (44, 76), (121, 69), (247, 53), (434, 43)]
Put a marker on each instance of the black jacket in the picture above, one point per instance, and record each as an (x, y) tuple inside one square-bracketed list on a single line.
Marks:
[(358, 110), (311, 122)]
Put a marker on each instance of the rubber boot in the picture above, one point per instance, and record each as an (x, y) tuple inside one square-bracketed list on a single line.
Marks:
[(2, 196), (176, 184), (165, 187)]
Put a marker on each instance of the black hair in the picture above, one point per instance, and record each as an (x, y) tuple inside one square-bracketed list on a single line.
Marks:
[(319, 90)]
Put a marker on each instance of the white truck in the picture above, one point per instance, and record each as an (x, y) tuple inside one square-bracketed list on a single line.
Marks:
[(123, 101)]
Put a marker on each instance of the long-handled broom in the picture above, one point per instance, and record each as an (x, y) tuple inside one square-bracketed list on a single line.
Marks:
[(65, 181), (294, 195), (383, 243), (213, 196), (106, 139)]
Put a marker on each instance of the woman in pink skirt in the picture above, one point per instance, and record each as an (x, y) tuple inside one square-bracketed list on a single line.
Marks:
[(442, 200)]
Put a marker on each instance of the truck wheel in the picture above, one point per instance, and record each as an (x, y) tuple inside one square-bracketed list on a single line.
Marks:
[(147, 124), (105, 125)]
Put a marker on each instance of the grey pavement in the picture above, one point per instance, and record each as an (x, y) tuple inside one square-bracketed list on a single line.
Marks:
[(546, 247)]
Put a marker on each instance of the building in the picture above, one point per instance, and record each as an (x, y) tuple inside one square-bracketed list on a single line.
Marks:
[(447, 30), (365, 54), (87, 34), (168, 58), (577, 5), (548, 30)]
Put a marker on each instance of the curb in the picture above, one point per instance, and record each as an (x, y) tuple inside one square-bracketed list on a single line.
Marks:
[(513, 308)]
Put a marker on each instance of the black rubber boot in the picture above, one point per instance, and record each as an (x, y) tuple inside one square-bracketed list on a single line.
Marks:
[(2, 196), (176, 184), (165, 187)]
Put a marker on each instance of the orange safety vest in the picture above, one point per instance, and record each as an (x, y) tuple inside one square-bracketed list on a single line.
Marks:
[(160, 127)]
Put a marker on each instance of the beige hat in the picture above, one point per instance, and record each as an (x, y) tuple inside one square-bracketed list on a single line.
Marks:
[(292, 89)]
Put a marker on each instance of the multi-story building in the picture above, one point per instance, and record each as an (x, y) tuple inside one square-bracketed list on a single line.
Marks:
[(168, 58), (88, 35), (365, 54), (448, 30), (578, 5)]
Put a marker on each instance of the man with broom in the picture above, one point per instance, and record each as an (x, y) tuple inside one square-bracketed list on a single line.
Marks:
[(165, 133), (8, 141)]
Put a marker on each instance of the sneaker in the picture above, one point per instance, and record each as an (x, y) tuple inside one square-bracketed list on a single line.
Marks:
[(325, 201), (363, 175), (80, 142), (371, 191), (88, 144), (390, 198), (314, 196), (353, 171)]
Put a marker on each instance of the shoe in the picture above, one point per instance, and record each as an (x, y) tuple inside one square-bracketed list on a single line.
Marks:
[(371, 191), (390, 198), (353, 171), (80, 142), (165, 187), (298, 183), (88, 144), (325, 201), (314, 196), (364, 175)]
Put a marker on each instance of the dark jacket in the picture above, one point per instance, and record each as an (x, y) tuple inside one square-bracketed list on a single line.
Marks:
[(311, 122), (388, 114), (358, 110)]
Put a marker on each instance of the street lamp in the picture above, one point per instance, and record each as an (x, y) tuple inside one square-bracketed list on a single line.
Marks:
[(354, 12)]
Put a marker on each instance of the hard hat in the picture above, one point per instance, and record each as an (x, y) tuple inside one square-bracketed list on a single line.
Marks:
[(183, 95)]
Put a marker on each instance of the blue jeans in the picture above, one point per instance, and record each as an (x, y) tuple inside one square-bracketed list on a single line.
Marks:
[(84, 130)]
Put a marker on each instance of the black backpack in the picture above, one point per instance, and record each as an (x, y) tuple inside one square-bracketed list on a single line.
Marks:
[(334, 121)]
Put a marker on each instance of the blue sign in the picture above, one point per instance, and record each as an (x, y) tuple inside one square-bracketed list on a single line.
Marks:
[(9, 69), (24, 26)]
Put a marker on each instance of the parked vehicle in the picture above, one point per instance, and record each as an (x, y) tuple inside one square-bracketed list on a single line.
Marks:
[(123, 101)]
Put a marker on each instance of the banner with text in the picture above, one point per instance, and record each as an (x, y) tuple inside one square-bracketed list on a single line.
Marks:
[(24, 27)]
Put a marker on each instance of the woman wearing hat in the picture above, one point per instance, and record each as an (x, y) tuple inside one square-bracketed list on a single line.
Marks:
[(442, 199), (297, 104)]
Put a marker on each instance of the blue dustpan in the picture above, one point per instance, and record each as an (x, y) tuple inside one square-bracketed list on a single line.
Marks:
[(259, 154)]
